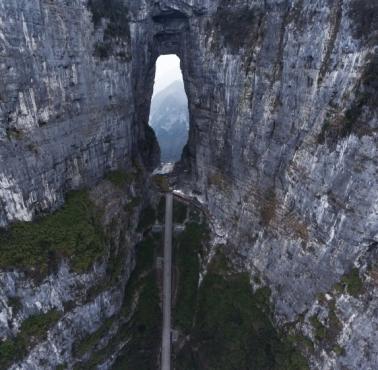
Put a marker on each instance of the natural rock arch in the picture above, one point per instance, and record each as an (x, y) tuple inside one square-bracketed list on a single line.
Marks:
[(283, 124)]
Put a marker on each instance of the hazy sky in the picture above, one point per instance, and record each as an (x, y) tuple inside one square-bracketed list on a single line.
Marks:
[(167, 71)]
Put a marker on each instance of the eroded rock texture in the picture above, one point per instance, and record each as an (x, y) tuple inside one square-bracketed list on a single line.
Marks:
[(283, 136), (67, 103), (283, 148)]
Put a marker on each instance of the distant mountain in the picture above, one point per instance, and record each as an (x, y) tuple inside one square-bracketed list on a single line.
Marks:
[(169, 117)]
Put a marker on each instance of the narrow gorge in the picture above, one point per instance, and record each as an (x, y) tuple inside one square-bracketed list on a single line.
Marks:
[(276, 253)]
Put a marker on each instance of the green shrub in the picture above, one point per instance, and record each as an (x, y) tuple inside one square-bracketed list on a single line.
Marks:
[(102, 50), (220, 264), (353, 283), (302, 342), (327, 334), (72, 232), (140, 319), (14, 133), (179, 212), (232, 332), (36, 326), (338, 288), (194, 215), (89, 342), (229, 327), (9, 352), (133, 203), (319, 328), (228, 21), (340, 351), (333, 321), (15, 303), (147, 218), (145, 256), (144, 328), (33, 330), (120, 178), (116, 12), (189, 245), (161, 181)]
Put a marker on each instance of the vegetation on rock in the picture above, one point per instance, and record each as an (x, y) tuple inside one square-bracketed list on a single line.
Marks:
[(233, 329), (120, 178), (89, 342), (161, 183), (115, 12), (180, 210), (139, 320), (73, 232), (229, 326), (147, 218), (229, 21), (117, 31), (353, 282), (33, 330), (352, 121), (144, 328), (364, 16), (189, 245), (319, 329)]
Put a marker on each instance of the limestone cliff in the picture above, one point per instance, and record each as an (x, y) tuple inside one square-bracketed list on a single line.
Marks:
[(282, 145), (68, 102), (283, 149)]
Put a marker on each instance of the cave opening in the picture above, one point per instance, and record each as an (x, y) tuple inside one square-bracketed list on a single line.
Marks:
[(169, 113)]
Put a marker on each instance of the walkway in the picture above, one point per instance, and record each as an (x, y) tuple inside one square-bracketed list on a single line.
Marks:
[(167, 285)]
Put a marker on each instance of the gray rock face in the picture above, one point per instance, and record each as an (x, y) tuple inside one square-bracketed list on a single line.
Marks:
[(299, 209), (85, 301), (282, 143), (67, 113)]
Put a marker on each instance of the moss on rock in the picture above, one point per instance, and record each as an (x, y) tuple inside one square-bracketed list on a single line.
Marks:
[(120, 178), (189, 245), (228, 22), (117, 30), (180, 211), (353, 282), (229, 326), (73, 232), (33, 330), (233, 329), (116, 12)]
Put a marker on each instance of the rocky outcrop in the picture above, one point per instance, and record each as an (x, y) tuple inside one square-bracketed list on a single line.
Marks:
[(283, 147), (82, 302), (68, 103), (282, 144)]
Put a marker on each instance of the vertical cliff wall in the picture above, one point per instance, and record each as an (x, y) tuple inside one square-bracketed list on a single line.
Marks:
[(72, 111), (68, 102), (282, 147)]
